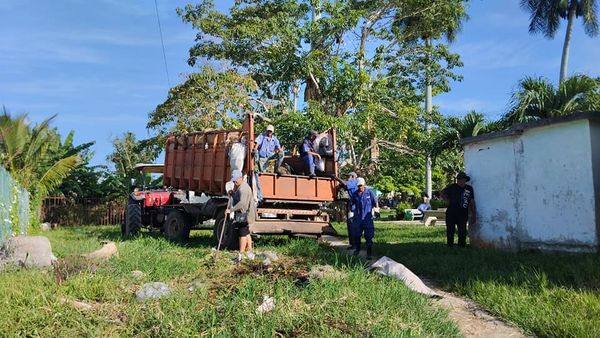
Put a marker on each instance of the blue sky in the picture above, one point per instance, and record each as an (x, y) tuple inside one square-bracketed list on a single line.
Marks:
[(99, 64)]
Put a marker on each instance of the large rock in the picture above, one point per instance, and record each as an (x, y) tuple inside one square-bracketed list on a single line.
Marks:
[(104, 252), (29, 251)]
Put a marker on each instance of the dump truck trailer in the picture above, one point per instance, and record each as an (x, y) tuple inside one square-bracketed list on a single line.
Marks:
[(196, 173)]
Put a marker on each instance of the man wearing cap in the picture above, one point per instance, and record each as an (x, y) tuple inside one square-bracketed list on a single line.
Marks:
[(242, 203), (461, 201), (308, 152), (364, 204), (269, 148), (351, 186)]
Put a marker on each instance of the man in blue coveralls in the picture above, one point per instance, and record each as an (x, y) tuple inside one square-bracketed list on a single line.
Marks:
[(364, 203), (308, 152), (268, 147)]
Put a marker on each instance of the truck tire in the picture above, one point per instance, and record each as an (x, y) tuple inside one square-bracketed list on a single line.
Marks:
[(133, 220), (231, 237), (177, 227)]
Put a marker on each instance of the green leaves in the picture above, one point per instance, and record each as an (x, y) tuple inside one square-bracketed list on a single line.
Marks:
[(537, 98), (207, 99)]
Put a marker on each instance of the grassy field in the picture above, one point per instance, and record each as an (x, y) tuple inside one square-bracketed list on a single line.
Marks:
[(223, 299), (549, 295)]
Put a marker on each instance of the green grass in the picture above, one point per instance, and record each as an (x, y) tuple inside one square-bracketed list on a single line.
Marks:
[(225, 298), (553, 295)]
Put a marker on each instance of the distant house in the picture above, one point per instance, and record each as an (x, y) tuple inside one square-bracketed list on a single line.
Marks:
[(537, 185)]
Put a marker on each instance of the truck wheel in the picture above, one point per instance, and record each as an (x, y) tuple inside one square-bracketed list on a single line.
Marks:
[(176, 226), (133, 220), (231, 237)]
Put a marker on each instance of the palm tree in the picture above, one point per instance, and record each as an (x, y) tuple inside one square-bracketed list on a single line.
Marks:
[(537, 98), (448, 136), (546, 15), (28, 153)]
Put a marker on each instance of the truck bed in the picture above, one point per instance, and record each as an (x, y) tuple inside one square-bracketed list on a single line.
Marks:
[(199, 162)]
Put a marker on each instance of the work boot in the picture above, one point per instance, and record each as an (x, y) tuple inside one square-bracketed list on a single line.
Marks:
[(369, 254)]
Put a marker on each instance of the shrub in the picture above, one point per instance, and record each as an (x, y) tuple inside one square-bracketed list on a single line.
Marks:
[(400, 209), (438, 203)]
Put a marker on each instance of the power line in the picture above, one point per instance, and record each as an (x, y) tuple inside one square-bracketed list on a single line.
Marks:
[(162, 42)]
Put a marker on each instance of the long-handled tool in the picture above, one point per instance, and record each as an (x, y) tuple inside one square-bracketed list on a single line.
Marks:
[(224, 224)]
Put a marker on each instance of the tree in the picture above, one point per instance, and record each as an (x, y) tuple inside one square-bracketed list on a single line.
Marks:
[(422, 29), (351, 59), (127, 153), (538, 98), (546, 16), (35, 156), (207, 99), (445, 143)]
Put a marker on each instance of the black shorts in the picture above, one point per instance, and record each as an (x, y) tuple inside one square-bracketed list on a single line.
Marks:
[(244, 229)]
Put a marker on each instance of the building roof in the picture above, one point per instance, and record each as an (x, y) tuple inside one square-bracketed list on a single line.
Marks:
[(519, 128)]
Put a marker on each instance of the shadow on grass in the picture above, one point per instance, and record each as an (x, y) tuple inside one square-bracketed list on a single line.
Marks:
[(454, 267)]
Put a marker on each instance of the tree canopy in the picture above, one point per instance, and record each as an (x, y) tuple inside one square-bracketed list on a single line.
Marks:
[(359, 66)]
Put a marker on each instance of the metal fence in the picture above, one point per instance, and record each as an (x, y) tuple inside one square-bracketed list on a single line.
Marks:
[(14, 207), (82, 211)]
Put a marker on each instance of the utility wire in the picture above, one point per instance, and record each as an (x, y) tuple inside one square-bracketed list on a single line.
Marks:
[(162, 43)]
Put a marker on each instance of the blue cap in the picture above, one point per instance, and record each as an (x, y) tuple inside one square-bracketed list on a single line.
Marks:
[(236, 175)]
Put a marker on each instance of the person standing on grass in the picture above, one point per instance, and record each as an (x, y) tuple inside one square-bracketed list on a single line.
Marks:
[(364, 202), (461, 204), (351, 186), (242, 204)]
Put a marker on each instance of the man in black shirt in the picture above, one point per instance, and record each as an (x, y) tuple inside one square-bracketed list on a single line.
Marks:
[(461, 202)]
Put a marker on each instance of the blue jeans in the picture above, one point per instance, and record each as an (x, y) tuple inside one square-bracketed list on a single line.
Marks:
[(309, 163)]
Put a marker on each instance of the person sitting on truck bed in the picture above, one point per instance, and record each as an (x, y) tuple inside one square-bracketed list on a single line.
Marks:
[(308, 152), (269, 148)]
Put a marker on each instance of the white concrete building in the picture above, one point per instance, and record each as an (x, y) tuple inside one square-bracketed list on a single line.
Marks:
[(537, 185)]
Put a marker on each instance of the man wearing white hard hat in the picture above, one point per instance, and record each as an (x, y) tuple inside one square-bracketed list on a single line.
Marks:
[(268, 148), (364, 204)]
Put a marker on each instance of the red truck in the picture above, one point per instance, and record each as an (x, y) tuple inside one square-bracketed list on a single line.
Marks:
[(196, 170)]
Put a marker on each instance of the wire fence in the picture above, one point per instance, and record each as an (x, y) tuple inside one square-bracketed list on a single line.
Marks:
[(14, 207), (82, 211)]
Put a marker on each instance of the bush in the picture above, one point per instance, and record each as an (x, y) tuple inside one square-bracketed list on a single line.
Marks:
[(400, 209), (438, 203)]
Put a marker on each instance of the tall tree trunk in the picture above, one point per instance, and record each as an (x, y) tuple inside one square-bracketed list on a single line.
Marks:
[(428, 108), (565, 53)]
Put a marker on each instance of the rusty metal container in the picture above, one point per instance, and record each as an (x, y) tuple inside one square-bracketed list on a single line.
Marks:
[(199, 162)]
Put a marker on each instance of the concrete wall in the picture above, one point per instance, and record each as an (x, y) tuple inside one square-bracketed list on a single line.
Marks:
[(536, 189)]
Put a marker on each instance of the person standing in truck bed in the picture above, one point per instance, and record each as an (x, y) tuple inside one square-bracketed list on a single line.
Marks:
[(268, 148)]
